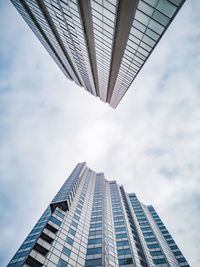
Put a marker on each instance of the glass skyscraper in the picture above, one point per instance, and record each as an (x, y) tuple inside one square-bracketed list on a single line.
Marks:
[(94, 222), (100, 44)]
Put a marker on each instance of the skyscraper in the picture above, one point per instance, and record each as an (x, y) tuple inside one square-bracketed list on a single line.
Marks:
[(100, 44), (94, 222)]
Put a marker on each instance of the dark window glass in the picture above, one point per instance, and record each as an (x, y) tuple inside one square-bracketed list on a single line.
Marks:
[(79, 206), (22, 254), (120, 229), (167, 236), (66, 251), (76, 217), (78, 211), (177, 253), (119, 223), (96, 219), (69, 240), (146, 228), (122, 243), (180, 260), (58, 213), (72, 232), (142, 220), (55, 220), (143, 223), (159, 261), (171, 241), (124, 251), (74, 224), (94, 241), (98, 232), (156, 253), (152, 246), (95, 225), (173, 247), (91, 251), (165, 232), (125, 261), (117, 213), (93, 262), (96, 213), (148, 234), (150, 239), (121, 235), (118, 218), (62, 263)]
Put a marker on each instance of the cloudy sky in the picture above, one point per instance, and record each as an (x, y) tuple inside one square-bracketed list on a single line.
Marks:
[(150, 143)]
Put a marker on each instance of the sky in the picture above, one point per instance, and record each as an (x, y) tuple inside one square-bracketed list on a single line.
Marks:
[(150, 142)]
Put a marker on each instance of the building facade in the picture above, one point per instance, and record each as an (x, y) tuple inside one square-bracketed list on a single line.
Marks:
[(100, 44), (94, 222)]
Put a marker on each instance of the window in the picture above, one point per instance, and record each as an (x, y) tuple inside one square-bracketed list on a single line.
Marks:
[(62, 263), (159, 261), (76, 217), (94, 241), (145, 228), (156, 253), (119, 223), (150, 239), (180, 260), (171, 241), (97, 225), (118, 218), (144, 223), (177, 253), (148, 234), (95, 219), (122, 243), (152, 246), (66, 251), (91, 251), (121, 235), (142, 219), (125, 261), (96, 213), (98, 232), (120, 229), (173, 247), (93, 262), (69, 240), (117, 213), (58, 213), (79, 206), (55, 220), (124, 251), (78, 211), (74, 224), (72, 232)]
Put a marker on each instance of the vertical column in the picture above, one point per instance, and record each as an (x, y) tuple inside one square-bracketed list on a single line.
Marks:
[(125, 248), (154, 241), (141, 253), (70, 244), (166, 235), (94, 256), (125, 16), (85, 11), (65, 195)]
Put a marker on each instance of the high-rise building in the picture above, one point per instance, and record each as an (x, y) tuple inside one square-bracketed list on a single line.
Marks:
[(94, 222), (100, 44)]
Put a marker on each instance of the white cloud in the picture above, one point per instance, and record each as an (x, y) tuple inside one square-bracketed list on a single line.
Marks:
[(149, 143)]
